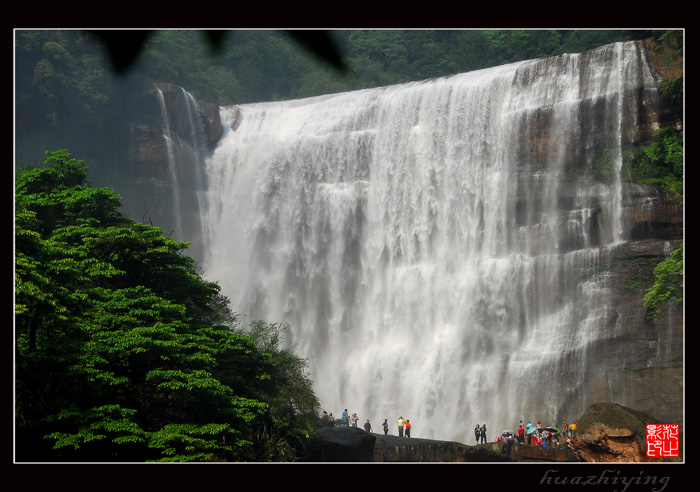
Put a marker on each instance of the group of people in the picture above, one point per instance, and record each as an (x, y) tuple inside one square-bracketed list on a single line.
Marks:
[(480, 434), (403, 425), (531, 434), (535, 435)]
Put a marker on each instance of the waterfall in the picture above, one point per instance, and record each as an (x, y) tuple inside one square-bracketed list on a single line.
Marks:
[(437, 248), (194, 145), (183, 131), (172, 163)]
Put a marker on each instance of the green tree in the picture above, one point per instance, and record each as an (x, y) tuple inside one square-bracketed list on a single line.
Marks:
[(288, 392), (123, 353), (668, 286)]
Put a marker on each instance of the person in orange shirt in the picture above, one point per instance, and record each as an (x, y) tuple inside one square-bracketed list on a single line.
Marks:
[(408, 428)]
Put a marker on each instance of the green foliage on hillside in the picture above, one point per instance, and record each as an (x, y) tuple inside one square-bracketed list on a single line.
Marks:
[(124, 353), (660, 163), (668, 286)]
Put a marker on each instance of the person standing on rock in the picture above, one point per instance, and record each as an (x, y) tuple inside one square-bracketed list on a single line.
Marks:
[(368, 426), (408, 428), (400, 423), (385, 426), (477, 433), (507, 444), (346, 420), (521, 433), (482, 432)]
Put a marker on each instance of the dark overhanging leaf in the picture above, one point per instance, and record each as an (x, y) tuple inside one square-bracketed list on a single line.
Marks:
[(216, 39), (124, 45), (321, 45)]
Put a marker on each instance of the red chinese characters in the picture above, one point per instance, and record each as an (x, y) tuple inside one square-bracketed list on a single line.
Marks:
[(662, 440)]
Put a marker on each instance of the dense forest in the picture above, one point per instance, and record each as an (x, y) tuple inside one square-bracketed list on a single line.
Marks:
[(123, 352)]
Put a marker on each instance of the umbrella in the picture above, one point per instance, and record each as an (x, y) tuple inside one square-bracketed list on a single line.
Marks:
[(507, 431), (552, 429), (531, 431)]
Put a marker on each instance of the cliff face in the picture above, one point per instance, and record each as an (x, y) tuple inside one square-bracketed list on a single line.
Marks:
[(637, 362), (149, 146)]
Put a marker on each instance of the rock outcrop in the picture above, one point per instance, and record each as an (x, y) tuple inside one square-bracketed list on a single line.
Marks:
[(342, 444), (608, 432)]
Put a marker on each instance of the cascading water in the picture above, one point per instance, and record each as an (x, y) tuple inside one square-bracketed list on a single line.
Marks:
[(194, 146), (172, 163), (436, 247), (186, 144)]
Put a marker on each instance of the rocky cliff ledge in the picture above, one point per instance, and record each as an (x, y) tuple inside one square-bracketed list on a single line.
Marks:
[(349, 444), (607, 433)]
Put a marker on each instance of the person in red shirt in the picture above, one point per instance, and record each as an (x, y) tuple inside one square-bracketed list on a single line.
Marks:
[(521, 433), (408, 428)]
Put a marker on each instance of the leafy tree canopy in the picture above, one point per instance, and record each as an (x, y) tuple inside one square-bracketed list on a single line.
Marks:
[(123, 353), (668, 286)]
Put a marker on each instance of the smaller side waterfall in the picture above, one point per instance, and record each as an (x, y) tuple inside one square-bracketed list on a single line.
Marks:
[(184, 134), (172, 164), (196, 151)]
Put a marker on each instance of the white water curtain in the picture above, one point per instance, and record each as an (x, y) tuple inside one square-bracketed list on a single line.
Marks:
[(414, 240)]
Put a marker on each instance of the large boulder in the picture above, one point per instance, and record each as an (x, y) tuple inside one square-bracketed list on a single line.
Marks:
[(608, 432), (342, 444)]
